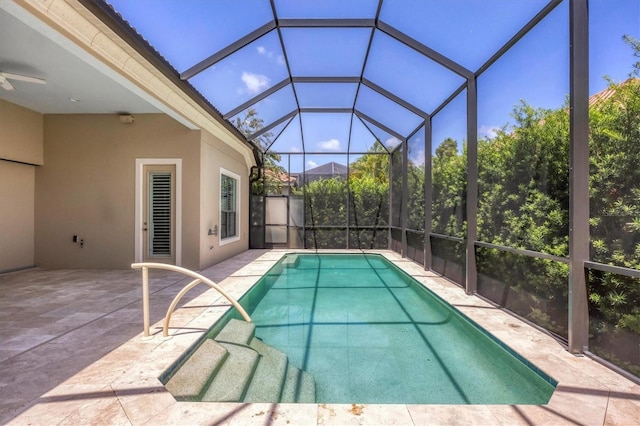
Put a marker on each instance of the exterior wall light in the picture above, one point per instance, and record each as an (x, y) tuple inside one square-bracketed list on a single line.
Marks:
[(126, 118)]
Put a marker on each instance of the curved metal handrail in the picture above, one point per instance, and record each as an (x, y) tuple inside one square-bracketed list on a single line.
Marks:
[(198, 279)]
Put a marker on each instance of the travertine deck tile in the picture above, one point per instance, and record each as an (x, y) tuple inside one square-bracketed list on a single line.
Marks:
[(444, 415), (87, 363), (363, 414)]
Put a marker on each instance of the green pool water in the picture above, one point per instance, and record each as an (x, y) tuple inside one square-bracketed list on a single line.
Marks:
[(369, 333)]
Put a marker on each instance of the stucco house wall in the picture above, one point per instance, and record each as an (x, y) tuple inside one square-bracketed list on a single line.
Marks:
[(86, 187), (21, 150), (75, 174), (216, 155)]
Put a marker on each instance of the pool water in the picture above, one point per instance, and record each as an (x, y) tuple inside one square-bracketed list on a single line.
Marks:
[(369, 333)]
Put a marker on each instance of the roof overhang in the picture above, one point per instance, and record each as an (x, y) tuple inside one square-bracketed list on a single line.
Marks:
[(114, 60)]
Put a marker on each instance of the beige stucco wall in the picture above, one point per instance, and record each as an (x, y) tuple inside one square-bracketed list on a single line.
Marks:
[(20, 134), (17, 186), (216, 155), (20, 143), (87, 187)]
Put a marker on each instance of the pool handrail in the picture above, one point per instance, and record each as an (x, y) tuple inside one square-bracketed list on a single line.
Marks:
[(197, 280)]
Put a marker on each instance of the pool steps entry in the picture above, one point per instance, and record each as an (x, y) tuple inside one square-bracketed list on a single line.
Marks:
[(145, 266), (236, 366)]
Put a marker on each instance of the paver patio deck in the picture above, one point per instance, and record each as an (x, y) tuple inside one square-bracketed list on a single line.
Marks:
[(72, 352)]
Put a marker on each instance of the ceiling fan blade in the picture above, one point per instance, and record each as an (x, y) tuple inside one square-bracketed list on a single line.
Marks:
[(4, 83), (26, 78)]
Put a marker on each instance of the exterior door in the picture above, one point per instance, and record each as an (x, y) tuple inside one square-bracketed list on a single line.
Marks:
[(284, 221), (159, 214), (276, 211)]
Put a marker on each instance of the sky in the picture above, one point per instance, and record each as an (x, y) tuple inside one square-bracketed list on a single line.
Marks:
[(466, 31)]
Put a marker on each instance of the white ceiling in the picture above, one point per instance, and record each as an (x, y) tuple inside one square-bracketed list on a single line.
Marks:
[(29, 47)]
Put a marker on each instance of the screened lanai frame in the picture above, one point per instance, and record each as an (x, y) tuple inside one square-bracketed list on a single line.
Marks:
[(578, 260)]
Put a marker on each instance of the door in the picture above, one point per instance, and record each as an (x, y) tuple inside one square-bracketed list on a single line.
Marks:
[(159, 213), (276, 212)]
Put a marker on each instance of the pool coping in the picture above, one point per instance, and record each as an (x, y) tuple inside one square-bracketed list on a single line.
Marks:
[(125, 387)]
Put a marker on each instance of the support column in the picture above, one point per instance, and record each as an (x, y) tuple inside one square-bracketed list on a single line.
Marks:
[(428, 193), (404, 217), (390, 221), (471, 284), (349, 199), (578, 175)]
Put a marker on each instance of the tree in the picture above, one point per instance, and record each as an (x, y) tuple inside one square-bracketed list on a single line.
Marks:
[(449, 189), (271, 173), (615, 223), (365, 196), (635, 45), (415, 203), (374, 166), (369, 198), (524, 182), (326, 207), (523, 203)]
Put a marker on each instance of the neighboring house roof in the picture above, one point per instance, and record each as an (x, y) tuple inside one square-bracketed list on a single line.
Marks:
[(282, 177), (332, 169), (605, 94)]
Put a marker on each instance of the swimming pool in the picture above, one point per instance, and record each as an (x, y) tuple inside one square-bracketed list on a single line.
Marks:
[(369, 333)]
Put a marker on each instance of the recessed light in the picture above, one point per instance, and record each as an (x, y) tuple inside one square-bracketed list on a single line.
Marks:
[(74, 100)]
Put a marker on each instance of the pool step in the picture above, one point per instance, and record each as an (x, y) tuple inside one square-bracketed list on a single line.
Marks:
[(232, 379), (236, 331), (190, 380), (290, 261), (299, 386), (269, 377), (238, 367)]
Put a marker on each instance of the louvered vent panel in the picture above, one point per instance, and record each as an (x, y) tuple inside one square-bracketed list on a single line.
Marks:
[(161, 214)]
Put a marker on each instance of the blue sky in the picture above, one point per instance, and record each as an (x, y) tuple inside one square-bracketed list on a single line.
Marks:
[(467, 31)]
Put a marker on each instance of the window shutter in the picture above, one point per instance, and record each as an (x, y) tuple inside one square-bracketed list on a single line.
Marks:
[(160, 205), (227, 207)]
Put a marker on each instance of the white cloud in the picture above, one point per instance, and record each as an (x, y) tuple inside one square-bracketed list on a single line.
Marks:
[(279, 59), (295, 149), (488, 131), (392, 142), (311, 164), (330, 145), (263, 51), (417, 157), (255, 83)]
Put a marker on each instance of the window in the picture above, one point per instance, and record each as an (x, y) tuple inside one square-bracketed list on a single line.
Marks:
[(229, 205)]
